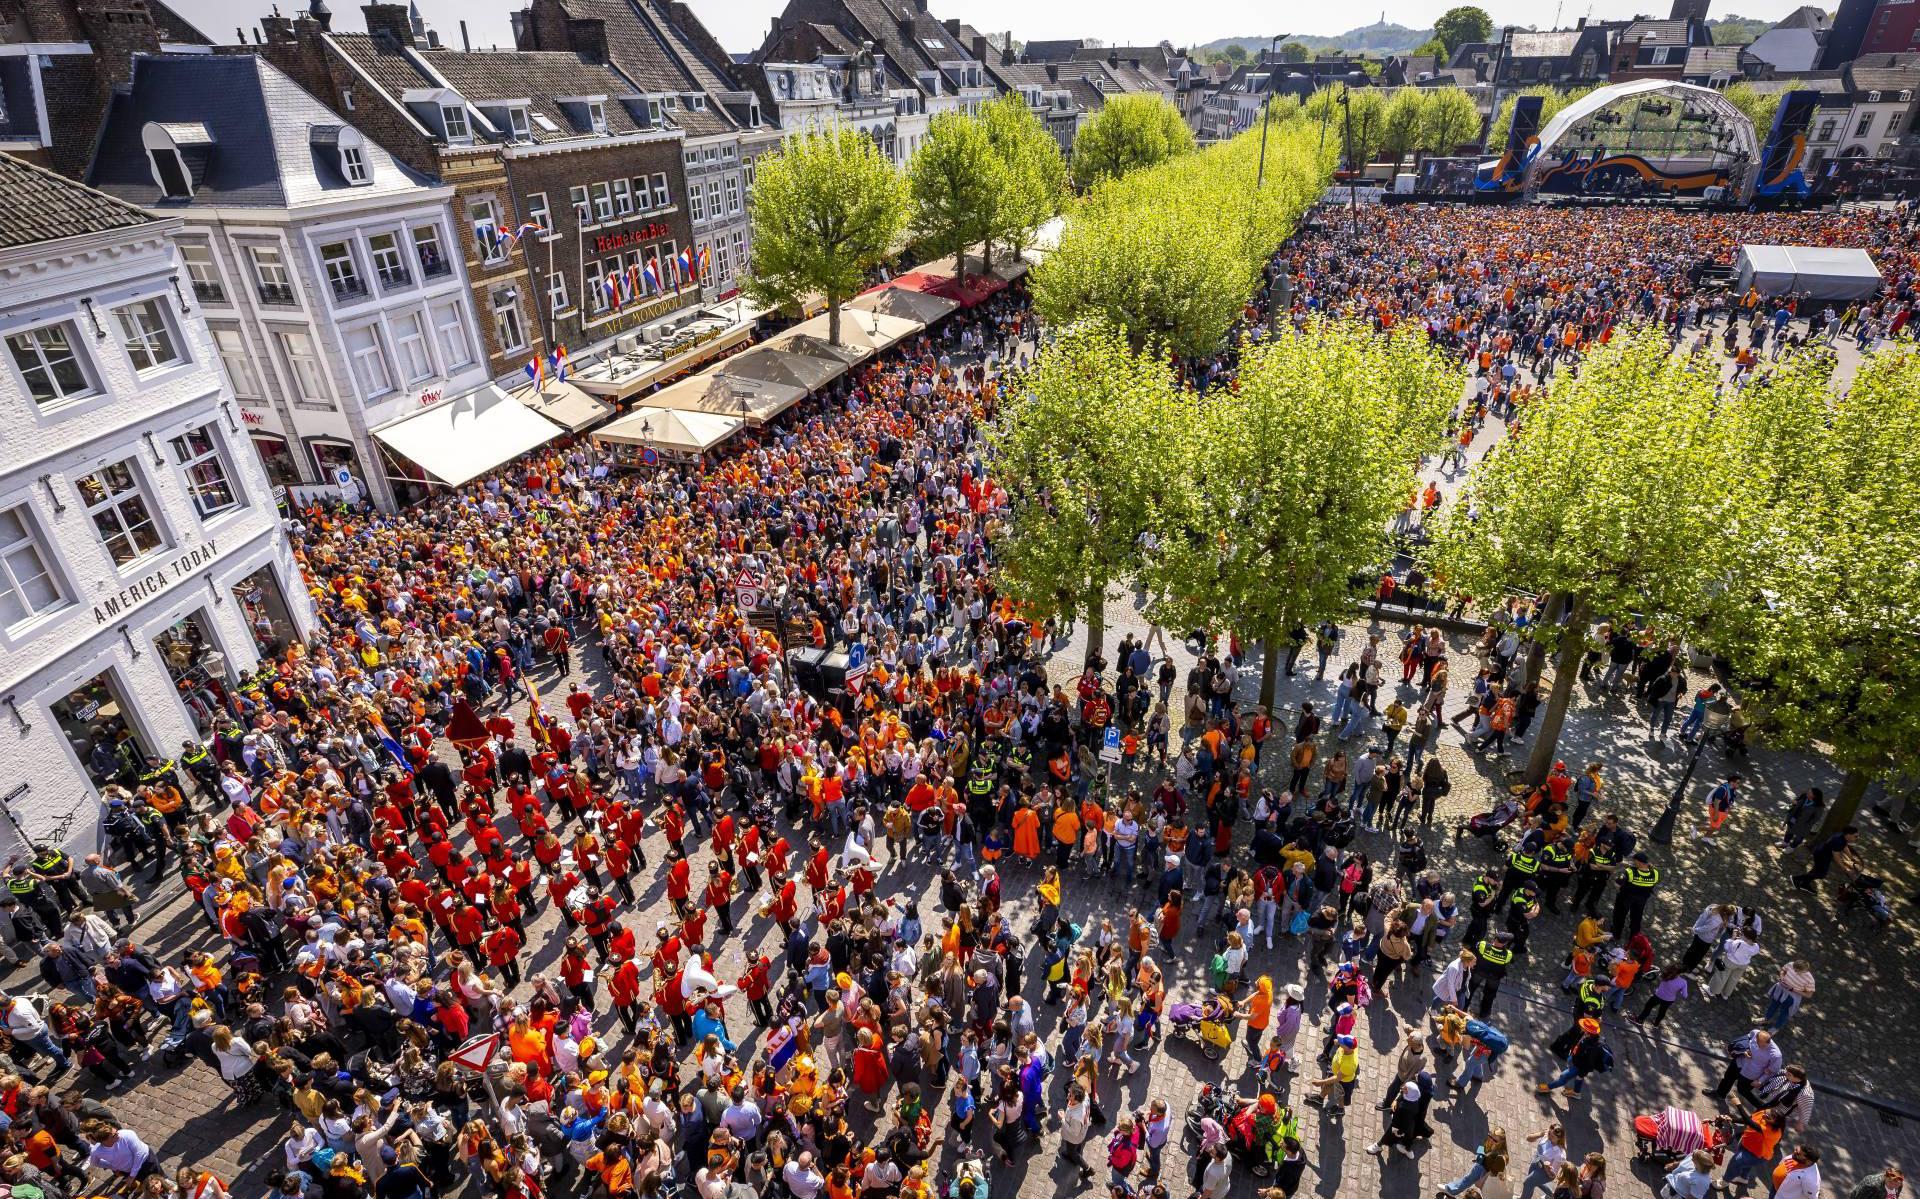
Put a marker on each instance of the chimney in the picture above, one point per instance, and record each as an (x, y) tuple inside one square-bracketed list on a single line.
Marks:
[(468, 46), (1006, 55), (953, 27), (980, 47), (588, 37), (240, 35), (1580, 24), (1134, 63), (920, 6), (319, 11), (279, 30), (1113, 58), (391, 21)]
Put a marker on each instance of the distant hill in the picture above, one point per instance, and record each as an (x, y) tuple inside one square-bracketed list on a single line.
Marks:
[(1737, 31), (1371, 39)]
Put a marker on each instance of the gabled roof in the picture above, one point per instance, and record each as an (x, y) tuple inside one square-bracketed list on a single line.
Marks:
[(1884, 72), (1711, 60), (263, 152), (43, 206), (176, 28), (537, 76), (638, 45), (1558, 43), (1807, 16), (1658, 33), (1056, 50)]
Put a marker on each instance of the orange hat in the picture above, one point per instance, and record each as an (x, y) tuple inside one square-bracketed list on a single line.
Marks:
[(1590, 1026)]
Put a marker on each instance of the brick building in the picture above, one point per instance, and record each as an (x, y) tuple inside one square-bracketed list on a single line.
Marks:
[(564, 172)]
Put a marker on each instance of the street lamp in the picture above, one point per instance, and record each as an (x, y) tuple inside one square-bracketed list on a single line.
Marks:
[(1266, 103), (1718, 714)]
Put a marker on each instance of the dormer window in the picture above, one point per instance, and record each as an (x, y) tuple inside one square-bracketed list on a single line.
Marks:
[(653, 112), (597, 116), (697, 103), (353, 164), (753, 114), (668, 102), (174, 150), (170, 172), (453, 118), (519, 123)]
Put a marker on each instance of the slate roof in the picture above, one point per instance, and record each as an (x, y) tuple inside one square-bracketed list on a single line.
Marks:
[(1558, 43), (639, 49), (1807, 16), (1055, 50), (1708, 60), (1658, 33), (1152, 58), (262, 129), (176, 28), (43, 206), (1885, 72)]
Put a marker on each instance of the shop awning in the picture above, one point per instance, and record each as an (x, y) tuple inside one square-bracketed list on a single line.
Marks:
[(904, 303), (932, 281), (779, 366), (725, 395), (669, 431), (459, 439), (863, 332), (565, 405), (617, 375)]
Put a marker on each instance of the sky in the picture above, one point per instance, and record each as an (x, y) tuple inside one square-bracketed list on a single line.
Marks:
[(742, 24)]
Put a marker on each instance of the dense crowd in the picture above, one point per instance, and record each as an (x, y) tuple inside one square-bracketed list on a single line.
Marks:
[(398, 846)]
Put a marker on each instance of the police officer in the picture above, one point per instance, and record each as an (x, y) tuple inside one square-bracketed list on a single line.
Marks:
[(34, 895), (1590, 998), (1523, 866), (1556, 871), (201, 768), (1594, 874), (1495, 954), (55, 869), (1637, 882), (1486, 898), (1522, 906)]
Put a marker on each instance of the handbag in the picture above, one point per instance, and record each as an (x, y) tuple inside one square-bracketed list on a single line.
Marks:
[(1298, 925)]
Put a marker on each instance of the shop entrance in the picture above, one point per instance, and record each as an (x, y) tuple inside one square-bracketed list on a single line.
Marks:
[(269, 618), (198, 667), (94, 718)]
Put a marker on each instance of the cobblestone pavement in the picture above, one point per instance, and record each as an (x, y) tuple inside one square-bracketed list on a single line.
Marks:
[(1860, 1025)]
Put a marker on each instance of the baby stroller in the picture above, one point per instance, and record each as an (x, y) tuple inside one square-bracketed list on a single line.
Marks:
[(1206, 1026), (1489, 824), (1867, 893), (972, 1167), (1664, 1139)]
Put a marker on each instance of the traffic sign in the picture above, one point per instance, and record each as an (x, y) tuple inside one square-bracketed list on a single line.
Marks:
[(649, 456), (856, 657), (1110, 745), (476, 1052)]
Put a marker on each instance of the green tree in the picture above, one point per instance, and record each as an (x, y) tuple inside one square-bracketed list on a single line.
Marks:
[(1437, 48), (957, 184), (1612, 503), (1552, 100), (1294, 52), (1819, 622), (1079, 446), (1758, 106), (1036, 174), (1365, 126), (1235, 53), (1129, 132), (826, 209), (1451, 121), (1403, 124), (1284, 486), (1460, 25)]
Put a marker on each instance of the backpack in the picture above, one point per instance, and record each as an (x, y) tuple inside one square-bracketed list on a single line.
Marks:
[(1491, 1038), (1121, 1151)]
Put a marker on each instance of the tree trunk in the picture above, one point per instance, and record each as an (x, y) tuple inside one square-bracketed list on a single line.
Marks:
[(960, 267), (1270, 655), (833, 318), (1536, 652), (1845, 806), (986, 256), (1096, 625), (1566, 668)]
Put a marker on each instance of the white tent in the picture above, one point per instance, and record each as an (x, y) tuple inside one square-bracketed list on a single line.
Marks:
[(863, 332), (1817, 272), (564, 404), (459, 439), (728, 395), (772, 365), (669, 431), (903, 303)]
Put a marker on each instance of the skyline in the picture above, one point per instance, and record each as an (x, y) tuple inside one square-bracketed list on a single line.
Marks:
[(741, 25)]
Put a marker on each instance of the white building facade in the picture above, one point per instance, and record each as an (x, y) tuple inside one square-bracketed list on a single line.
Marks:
[(144, 571)]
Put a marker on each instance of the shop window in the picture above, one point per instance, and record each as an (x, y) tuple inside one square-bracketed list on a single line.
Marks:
[(198, 668), (121, 511), (94, 718), (268, 617)]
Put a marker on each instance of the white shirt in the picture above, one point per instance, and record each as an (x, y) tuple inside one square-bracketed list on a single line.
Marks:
[(1801, 1183)]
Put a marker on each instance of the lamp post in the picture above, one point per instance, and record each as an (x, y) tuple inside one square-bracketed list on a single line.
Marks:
[(1719, 713), (1266, 103)]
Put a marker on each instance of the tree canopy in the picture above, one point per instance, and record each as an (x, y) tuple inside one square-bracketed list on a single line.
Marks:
[(1462, 24), (1611, 499), (826, 209), (1450, 120), (1281, 488), (1035, 173), (1552, 100), (1128, 133), (958, 184)]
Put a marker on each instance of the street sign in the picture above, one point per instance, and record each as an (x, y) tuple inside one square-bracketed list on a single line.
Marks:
[(649, 456), (1110, 745), (856, 657), (748, 591), (476, 1052)]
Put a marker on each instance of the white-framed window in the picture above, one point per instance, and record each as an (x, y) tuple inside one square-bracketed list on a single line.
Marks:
[(506, 320), (643, 193), (371, 371), (450, 329), (662, 195), (122, 514), (346, 97), (653, 111), (353, 164), (713, 198), (557, 293), (148, 332), (203, 272), (727, 153), (721, 269), (453, 117), (746, 170), (410, 348), (740, 249), (50, 363), (343, 273), (208, 473), (283, 469), (597, 116), (695, 207), (232, 347), (428, 249), (698, 103), (486, 227), (28, 585), (389, 264), (539, 213), (305, 375), (622, 197), (733, 196), (691, 158), (582, 210), (270, 275), (1864, 126), (518, 123), (602, 202)]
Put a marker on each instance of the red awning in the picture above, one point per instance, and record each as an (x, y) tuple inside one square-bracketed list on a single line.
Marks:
[(975, 288)]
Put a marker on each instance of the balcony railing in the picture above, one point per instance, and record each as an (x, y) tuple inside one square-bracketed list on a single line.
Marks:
[(434, 268), (393, 280), (209, 293), (278, 294), (350, 288)]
